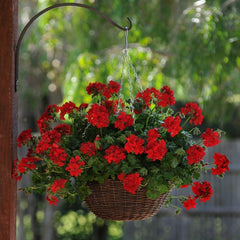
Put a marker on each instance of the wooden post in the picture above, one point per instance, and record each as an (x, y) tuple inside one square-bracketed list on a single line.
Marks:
[(8, 118)]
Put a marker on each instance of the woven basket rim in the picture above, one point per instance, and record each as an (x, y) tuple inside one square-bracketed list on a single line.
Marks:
[(109, 200)]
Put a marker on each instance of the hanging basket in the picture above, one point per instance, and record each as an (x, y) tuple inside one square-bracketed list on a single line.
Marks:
[(111, 201)]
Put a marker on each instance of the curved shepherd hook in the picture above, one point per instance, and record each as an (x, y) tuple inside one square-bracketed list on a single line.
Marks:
[(46, 10)]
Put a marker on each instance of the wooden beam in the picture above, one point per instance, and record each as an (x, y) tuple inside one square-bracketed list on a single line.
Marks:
[(8, 118)]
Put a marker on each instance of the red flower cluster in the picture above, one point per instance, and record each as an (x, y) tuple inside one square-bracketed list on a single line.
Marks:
[(221, 162), (67, 107), (172, 125), (115, 154), (163, 97), (111, 106), (74, 166), (58, 184), (24, 137), (203, 191), (88, 148), (96, 88), (58, 155), (83, 106), (52, 199), (195, 154), (15, 172), (46, 118), (134, 144), (123, 120), (103, 89), (27, 163), (98, 116), (190, 203), (210, 138), (156, 150), (48, 138), (146, 95), (63, 129), (166, 97), (194, 111), (153, 134), (131, 182)]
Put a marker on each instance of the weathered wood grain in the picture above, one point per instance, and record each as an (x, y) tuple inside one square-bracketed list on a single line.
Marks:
[(8, 118)]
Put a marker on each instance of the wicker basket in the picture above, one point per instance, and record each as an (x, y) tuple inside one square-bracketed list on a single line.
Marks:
[(111, 201)]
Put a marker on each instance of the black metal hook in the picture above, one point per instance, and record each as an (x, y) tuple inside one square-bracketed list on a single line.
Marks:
[(17, 48)]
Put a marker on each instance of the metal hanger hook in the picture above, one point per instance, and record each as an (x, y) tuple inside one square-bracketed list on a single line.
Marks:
[(17, 48)]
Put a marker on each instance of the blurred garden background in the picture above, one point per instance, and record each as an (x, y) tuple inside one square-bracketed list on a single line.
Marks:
[(191, 46)]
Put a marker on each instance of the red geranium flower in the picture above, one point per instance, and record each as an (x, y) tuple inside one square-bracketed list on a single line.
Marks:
[(131, 181), (52, 199), (46, 118), (156, 150), (210, 138), (115, 154), (113, 87), (74, 166), (24, 137), (134, 144), (63, 129), (190, 203), (146, 96), (48, 138), (153, 134), (193, 110), (88, 148), (123, 120), (98, 116), (15, 172), (58, 155), (202, 191), (27, 163), (83, 106), (195, 154), (96, 88), (166, 97), (58, 184), (221, 162), (172, 125), (67, 107)]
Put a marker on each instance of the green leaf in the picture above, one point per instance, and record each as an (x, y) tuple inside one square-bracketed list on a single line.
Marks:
[(122, 138), (143, 171), (180, 152), (173, 162), (132, 159), (196, 175), (109, 139), (139, 126), (196, 131), (163, 189)]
